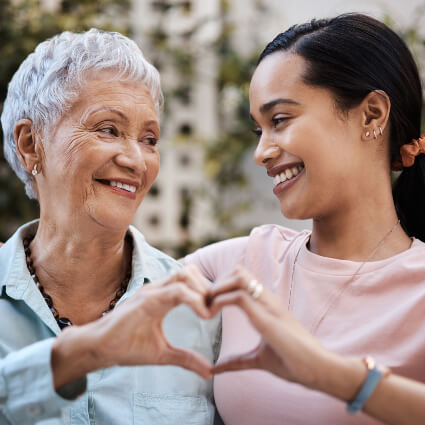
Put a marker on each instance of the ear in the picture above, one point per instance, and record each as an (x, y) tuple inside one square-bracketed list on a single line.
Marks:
[(27, 148), (375, 111)]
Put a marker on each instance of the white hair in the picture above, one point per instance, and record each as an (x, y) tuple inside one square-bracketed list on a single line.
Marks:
[(49, 81)]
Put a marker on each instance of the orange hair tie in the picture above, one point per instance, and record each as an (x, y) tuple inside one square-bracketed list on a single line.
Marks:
[(409, 152)]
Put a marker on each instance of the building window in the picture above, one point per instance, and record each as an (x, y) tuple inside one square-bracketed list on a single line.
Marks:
[(184, 160), (185, 130), (154, 191), (154, 221), (165, 6), (186, 205)]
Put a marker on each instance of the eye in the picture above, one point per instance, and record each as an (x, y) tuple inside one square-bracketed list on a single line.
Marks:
[(150, 140), (277, 119), (257, 131), (108, 130)]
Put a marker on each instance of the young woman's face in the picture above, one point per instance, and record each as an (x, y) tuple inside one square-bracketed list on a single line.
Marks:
[(311, 150)]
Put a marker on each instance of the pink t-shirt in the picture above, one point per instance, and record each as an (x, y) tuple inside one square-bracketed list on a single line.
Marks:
[(381, 313)]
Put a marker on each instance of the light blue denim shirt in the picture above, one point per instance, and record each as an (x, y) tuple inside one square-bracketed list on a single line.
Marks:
[(148, 395)]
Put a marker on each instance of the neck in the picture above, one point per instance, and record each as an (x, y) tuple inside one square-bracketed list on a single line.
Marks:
[(80, 269), (363, 233)]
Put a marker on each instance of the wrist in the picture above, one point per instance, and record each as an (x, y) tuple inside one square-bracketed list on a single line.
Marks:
[(73, 355), (341, 377)]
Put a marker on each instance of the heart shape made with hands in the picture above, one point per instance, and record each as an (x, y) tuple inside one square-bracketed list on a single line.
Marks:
[(141, 327), (207, 301)]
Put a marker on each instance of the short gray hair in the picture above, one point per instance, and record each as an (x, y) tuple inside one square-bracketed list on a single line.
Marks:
[(49, 79)]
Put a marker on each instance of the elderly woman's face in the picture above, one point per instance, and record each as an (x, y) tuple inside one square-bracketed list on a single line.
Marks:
[(102, 157)]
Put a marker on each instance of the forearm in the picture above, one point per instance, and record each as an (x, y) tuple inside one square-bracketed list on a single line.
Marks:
[(395, 401)]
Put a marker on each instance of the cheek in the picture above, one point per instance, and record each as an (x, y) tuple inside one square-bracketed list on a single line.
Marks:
[(153, 167), (73, 154)]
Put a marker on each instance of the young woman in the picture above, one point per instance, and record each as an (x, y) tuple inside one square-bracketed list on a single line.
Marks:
[(334, 103)]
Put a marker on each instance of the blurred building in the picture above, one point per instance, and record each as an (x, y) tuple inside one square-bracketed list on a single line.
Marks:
[(177, 210)]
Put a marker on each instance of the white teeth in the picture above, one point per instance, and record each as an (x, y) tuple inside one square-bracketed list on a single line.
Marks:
[(127, 187), (288, 174)]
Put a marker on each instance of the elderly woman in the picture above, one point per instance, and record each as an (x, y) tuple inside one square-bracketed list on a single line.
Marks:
[(81, 129)]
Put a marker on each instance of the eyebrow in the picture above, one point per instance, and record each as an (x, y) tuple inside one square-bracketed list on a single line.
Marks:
[(269, 105), (147, 123), (151, 122), (113, 110)]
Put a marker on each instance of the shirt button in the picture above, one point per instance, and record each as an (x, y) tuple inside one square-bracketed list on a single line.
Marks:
[(36, 410)]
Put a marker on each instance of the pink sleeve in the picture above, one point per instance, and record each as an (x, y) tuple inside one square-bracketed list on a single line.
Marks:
[(219, 258)]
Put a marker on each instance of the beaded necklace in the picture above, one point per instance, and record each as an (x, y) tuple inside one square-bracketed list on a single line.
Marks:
[(64, 322)]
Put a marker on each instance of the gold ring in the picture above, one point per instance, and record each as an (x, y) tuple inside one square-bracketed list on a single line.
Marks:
[(255, 288), (252, 285)]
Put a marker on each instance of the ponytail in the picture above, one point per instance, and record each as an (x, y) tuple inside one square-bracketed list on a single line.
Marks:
[(409, 198)]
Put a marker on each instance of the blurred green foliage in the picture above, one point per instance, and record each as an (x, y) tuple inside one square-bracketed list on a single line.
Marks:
[(23, 25)]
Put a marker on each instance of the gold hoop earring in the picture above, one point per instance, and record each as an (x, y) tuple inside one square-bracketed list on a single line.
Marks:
[(380, 131)]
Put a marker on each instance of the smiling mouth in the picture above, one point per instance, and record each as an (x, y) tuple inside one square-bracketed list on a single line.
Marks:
[(114, 183), (288, 174)]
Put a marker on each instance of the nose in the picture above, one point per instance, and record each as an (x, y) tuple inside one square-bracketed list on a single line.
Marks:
[(266, 151), (131, 157)]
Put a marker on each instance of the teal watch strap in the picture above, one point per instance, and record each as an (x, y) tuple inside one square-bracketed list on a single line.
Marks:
[(372, 380)]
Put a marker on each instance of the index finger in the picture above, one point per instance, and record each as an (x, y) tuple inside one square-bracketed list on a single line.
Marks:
[(191, 276), (239, 278)]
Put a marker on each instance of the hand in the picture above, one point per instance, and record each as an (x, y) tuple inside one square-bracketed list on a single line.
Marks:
[(132, 334), (287, 349)]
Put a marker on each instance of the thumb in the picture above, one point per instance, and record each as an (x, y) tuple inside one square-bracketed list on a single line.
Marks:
[(190, 360), (249, 360)]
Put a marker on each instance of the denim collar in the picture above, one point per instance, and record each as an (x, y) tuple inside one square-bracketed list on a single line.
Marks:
[(16, 280)]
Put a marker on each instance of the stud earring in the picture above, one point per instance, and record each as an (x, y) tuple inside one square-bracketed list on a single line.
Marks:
[(34, 170), (374, 134), (380, 131), (367, 133)]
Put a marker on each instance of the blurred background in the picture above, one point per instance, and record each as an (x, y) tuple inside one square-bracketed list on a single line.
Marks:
[(208, 187)]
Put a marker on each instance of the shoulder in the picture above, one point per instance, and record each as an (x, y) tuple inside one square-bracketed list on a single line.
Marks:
[(12, 257), (264, 242), (219, 257), (150, 261), (268, 232), (412, 260)]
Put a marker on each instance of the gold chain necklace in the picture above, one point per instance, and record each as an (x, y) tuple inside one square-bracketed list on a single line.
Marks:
[(346, 285)]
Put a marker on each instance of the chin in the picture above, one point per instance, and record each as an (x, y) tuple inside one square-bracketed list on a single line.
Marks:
[(294, 212), (115, 220), (117, 225)]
